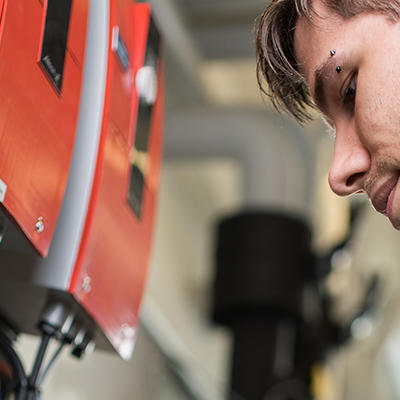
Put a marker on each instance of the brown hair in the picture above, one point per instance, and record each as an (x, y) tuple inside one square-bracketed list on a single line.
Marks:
[(277, 71)]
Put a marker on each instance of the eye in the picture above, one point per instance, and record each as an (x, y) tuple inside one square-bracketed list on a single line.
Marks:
[(349, 97)]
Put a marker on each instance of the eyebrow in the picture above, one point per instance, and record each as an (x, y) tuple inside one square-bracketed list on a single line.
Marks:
[(320, 75)]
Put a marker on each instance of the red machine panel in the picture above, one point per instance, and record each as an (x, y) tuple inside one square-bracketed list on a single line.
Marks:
[(111, 268), (41, 53)]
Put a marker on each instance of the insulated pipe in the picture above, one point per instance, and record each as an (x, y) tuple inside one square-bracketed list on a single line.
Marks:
[(181, 57), (275, 155)]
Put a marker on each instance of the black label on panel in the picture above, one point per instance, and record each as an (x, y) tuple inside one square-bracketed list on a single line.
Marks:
[(55, 37), (142, 135)]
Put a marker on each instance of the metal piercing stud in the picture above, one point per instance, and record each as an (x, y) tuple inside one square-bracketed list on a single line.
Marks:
[(338, 69), (333, 52)]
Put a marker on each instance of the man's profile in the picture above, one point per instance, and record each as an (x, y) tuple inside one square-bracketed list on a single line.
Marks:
[(342, 58)]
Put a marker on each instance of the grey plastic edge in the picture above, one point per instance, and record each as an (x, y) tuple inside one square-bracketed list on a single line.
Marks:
[(55, 270)]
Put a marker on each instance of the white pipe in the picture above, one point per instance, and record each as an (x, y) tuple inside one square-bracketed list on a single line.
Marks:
[(182, 58), (274, 153)]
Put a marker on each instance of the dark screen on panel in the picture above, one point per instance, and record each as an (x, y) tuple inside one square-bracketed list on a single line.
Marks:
[(55, 37)]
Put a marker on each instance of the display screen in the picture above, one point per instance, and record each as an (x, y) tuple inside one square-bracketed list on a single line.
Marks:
[(55, 37), (139, 157)]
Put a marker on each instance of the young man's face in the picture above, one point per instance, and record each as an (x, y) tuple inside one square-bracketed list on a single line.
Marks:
[(358, 90)]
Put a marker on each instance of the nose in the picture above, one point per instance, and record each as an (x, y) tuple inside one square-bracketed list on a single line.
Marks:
[(351, 162)]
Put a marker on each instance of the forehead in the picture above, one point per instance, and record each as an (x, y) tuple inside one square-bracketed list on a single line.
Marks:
[(368, 31), (363, 34), (313, 39)]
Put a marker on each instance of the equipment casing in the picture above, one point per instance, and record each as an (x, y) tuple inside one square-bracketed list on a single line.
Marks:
[(99, 254)]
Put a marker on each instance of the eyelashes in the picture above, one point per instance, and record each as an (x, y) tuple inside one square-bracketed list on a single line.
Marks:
[(349, 96)]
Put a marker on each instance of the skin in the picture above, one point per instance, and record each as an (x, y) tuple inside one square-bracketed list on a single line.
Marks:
[(362, 102)]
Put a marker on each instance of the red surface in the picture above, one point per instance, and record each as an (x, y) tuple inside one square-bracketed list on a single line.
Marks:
[(115, 248), (37, 126)]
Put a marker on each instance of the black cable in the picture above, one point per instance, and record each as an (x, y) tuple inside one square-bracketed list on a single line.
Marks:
[(51, 362), (16, 365), (32, 380)]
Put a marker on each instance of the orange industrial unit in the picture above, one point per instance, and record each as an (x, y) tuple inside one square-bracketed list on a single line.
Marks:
[(97, 262), (116, 241), (41, 55)]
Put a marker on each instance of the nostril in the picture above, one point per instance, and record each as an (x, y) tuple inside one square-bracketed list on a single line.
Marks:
[(353, 179)]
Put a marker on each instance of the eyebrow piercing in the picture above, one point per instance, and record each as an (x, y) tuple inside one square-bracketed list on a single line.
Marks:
[(338, 69), (333, 52)]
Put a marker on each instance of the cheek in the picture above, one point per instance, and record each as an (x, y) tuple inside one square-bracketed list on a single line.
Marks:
[(378, 121), (379, 103), (384, 89)]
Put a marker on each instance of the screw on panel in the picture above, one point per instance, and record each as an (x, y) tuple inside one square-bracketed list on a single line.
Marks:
[(86, 284), (39, 226)]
